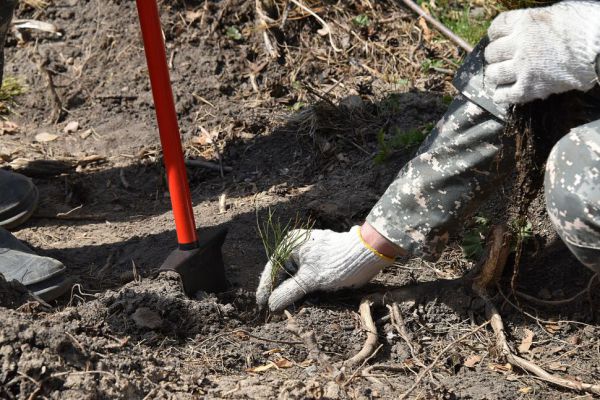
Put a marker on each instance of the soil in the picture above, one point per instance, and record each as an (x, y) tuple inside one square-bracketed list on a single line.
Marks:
[(124, 332)]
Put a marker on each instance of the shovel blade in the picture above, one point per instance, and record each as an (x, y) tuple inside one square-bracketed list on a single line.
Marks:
[(201, 268)]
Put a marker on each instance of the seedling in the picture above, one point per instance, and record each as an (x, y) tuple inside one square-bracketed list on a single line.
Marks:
[(361, 20), (233, 33), (277, 243)]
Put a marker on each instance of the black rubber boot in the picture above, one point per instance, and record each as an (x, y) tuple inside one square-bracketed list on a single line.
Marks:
[(18, 199), (43, 276)]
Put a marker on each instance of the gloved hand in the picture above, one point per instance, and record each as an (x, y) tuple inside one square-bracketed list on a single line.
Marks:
[(324, 260), (536, 52)]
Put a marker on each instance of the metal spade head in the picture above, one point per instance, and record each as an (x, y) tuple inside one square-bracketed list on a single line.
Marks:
[(200, 268)]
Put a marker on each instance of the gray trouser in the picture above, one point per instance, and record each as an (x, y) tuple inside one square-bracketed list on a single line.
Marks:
[(6, 13), (464, 159)]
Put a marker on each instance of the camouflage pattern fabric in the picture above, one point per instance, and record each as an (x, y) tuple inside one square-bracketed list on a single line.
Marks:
[(6, 13), (464, 159), (572, 189)]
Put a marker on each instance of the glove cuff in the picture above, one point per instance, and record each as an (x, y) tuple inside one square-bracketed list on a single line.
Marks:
[(374, 251)]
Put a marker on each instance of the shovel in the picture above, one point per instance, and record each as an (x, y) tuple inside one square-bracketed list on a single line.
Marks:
[(198, 262)]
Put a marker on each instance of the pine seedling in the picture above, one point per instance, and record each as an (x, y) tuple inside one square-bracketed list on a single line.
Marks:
[(277, 243)]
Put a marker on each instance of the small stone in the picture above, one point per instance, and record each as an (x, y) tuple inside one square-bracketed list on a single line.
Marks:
[(72, 126), (85, 134)]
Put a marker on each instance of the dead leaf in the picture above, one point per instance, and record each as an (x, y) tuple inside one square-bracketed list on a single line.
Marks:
[(279, 364), (526, 342), (36, 25), (472, 360), (557, 366), (8, 128), (44, 137), (261, 368), (552, 328), (306, 363), (205, 137), (241, 335), (284, 363), (191, 16), (427, 35), (525, 389), (501, 367)]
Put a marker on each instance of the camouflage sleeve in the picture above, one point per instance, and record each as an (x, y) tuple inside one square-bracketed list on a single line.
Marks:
[(6, 13), (572, 189), (460, 163)]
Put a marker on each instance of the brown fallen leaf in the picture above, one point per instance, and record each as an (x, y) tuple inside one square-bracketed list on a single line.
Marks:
[(279, 364), (191, 16), (8, 128), (525, 389), (261, 368), (501, 367), (526, 342), (557, 366), (284, 363), (272, 351), (472, 360), (552, 327), (427, 35)]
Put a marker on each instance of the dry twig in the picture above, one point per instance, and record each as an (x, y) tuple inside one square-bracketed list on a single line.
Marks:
[(439, 26)]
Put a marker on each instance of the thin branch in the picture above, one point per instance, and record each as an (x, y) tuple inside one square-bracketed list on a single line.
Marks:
[(438, 25)]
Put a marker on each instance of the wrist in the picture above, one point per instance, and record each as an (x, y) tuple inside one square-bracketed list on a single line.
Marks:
[(379, 243)]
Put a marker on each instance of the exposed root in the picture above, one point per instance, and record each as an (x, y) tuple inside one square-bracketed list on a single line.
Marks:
[(370, 345), (492, 267), (492, 264), (498, 326)]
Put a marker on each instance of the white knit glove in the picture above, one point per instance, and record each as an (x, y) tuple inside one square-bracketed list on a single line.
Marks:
[(325, 260), (534, 53)]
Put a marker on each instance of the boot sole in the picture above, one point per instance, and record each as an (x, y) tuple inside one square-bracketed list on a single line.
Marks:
[(22, 212)]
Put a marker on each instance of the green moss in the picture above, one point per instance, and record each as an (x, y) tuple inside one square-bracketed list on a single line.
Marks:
[(11, 88)]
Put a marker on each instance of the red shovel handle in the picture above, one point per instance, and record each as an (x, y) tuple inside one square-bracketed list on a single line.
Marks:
[(166, 116)]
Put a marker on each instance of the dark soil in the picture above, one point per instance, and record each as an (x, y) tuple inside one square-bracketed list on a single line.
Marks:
[(105, 212)]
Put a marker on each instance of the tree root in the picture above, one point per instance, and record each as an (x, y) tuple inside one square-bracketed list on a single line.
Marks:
[(484, 277), (370, 345), (498, 326), (493, 264)]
